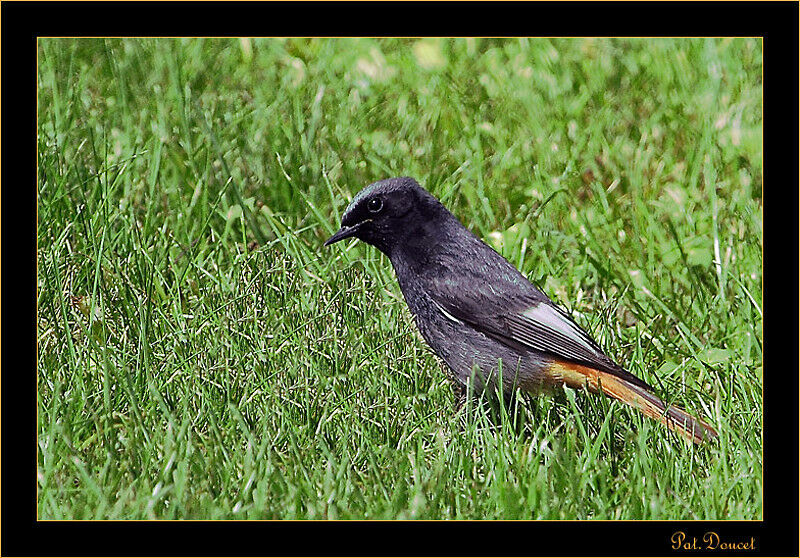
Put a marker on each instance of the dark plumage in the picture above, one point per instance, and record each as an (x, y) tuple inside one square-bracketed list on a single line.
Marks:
[(476, 310)]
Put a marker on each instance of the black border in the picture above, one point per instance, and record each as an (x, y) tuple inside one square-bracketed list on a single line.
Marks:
[(22, 535)]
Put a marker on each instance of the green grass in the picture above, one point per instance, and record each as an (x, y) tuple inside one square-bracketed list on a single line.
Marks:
[(201, 355)]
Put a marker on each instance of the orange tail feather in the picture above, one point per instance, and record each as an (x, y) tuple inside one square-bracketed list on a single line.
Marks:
[(674, 418)]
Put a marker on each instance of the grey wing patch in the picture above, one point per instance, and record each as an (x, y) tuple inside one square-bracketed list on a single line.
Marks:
[(546, 328), (540, 326)]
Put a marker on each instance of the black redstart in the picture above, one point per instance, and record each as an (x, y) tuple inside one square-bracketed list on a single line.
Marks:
[(480, 315)]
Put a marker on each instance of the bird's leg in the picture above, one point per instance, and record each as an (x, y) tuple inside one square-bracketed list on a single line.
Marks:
[(459, 394), (459, 389)]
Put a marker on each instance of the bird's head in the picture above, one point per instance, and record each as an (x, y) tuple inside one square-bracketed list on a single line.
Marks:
[(385, 212)]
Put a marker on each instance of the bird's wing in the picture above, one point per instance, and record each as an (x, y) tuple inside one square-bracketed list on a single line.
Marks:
[(533, 324), (522, 317)]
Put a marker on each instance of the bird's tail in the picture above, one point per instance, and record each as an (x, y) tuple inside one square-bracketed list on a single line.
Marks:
[(637, 396)]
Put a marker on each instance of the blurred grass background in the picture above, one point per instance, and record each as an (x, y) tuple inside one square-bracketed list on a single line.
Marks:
[(200, 355)]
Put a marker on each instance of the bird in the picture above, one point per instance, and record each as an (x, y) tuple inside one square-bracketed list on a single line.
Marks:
[(481, 316)]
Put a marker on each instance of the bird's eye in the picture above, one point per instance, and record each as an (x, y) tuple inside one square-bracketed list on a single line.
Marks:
[(375, 205)]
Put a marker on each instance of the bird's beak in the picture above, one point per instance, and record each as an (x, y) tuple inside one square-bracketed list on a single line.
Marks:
[(344, 232)]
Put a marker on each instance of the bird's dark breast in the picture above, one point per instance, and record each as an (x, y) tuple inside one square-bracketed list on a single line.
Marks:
[(465, 350)]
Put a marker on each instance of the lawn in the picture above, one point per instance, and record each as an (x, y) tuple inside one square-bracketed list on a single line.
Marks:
[(201, 355)]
